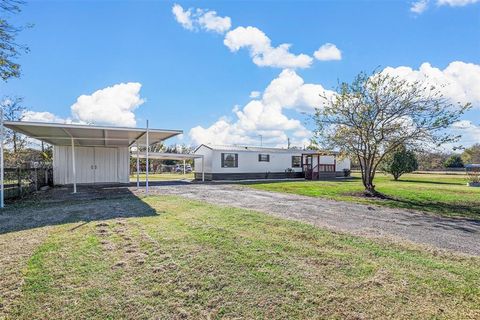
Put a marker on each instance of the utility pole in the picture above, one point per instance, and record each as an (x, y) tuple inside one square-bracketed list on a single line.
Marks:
[(288, 143), (261, 140)]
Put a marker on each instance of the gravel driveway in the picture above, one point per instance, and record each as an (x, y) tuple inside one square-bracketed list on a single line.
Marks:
[(462, 235)]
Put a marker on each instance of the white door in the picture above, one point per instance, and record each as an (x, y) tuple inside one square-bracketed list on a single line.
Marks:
[(105, 165), (85, 161)]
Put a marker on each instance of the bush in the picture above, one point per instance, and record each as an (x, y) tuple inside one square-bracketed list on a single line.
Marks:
[(402, 161), (455, 161)]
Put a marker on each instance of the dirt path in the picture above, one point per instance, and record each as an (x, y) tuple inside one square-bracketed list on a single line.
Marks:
[(460, 235)]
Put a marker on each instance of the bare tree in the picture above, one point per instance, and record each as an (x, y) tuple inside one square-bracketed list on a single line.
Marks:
[(9, 48), (13, 110), (375, 114)]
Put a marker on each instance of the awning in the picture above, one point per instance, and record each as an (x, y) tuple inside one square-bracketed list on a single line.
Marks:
[(60, 134)]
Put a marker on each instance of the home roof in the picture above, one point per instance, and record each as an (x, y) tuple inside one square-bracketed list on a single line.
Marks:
[(258, 149), (60, 134)]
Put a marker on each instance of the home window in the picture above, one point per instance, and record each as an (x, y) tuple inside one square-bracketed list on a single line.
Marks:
[(229, 160), (264, 158), (296, 161)]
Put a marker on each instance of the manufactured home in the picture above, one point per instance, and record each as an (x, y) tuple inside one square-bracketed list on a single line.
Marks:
[(244, 162)]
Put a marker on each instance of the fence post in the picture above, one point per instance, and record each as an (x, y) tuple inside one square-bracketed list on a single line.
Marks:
[(19, 182), (36, 179)]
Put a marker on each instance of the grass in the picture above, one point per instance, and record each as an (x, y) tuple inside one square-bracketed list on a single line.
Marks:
[(163, 176), (446, 195), (189, 259)]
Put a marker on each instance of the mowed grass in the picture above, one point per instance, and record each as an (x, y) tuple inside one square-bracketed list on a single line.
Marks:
[(163, 176), (189, 259), (446, 195)]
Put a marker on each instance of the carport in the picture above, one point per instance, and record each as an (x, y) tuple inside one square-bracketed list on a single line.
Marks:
[(167, 156), (87, 154)]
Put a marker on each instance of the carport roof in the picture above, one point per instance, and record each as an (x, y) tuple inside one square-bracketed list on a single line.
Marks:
[(168, 156), (60, 134)]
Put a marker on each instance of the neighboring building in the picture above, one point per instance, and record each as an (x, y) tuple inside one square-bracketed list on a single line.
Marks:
[(243, 162)]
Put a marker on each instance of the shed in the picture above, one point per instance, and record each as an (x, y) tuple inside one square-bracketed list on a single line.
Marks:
[(90, 154)]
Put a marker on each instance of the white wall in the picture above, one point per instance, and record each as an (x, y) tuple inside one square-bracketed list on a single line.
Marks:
[(207, 156), (248, 162), (92, 165)]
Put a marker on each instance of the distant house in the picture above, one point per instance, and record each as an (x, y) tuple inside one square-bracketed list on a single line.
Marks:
[(244, 162)]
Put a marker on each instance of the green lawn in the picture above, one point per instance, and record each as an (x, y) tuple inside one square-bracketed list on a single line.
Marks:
[(441, 194), (163, 176), (170, 258)]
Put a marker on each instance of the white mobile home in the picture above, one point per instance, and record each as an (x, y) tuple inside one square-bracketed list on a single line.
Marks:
[(243, 162)]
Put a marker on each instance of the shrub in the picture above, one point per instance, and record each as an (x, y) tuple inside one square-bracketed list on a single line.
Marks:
[(455, 161), (402, 161)]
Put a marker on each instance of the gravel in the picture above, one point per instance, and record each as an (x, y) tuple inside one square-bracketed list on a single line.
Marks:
[(455, 234)]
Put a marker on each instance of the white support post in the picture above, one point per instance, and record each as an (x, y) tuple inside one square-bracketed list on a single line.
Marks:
[(73, 168), (146, 158), (184, 167), (203, 168), (138, 166), (2, 197)]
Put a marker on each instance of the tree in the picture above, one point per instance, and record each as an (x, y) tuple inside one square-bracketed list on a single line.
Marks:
[(472, 154), (371, 117), (455, 161), (402, 161), (13, 110), (9, 48)]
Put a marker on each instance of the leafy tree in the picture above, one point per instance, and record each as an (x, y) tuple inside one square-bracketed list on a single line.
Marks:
[(371, 117), (472, 154), (402, 161), (9, 48), (455, 161)]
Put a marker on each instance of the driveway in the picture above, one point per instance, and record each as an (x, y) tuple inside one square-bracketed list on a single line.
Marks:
[(462, 235)]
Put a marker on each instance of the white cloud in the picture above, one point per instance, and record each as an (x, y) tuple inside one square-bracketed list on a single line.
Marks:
[(255, 94), (470, 134), (459, 81), (456, 3), (251, 38), (201, 19), (43, 117), (419, 6), (266, 116), (112, 105), (211, 22), (327, 52), (183, 17), (261, 50)]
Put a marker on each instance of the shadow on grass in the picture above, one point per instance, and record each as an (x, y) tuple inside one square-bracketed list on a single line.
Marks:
[(339, 180), (471, 211), (59, 206), (429, 182)]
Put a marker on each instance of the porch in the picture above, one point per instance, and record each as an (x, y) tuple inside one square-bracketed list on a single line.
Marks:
[(319, 165)]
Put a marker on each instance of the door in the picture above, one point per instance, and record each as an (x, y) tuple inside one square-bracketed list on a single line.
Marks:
[(105, 165), (85, 159)]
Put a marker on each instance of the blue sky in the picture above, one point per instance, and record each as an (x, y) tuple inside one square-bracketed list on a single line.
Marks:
[(191, 79)]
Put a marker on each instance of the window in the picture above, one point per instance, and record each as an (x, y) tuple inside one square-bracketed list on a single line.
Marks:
[(296, 161), (263, 158), (229, 160)]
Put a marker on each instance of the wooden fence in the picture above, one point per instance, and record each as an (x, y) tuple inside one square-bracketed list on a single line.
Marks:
[(20, 181)]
